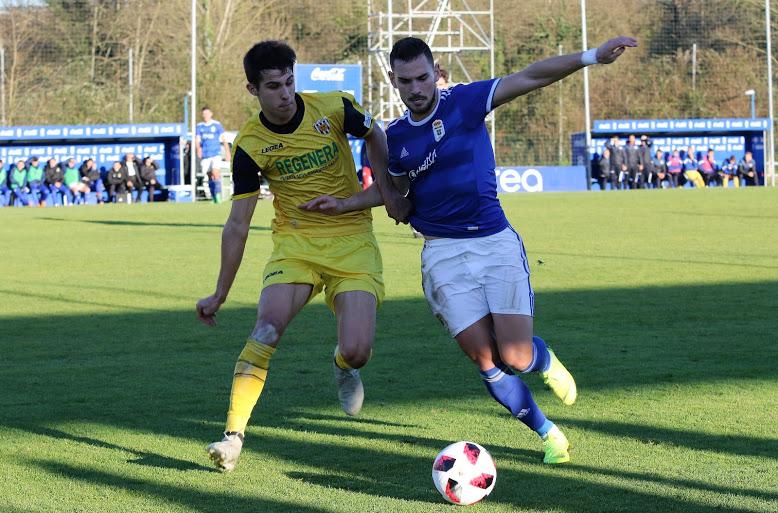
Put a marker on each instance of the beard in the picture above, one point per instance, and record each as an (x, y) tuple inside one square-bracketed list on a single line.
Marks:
[(424, 108)]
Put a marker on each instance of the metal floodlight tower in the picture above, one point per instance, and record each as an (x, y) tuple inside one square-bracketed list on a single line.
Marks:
[(459, 32)]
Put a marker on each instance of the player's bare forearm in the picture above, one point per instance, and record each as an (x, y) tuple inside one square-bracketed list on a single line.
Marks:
[(367, 198), (234, 236), (546, 72)]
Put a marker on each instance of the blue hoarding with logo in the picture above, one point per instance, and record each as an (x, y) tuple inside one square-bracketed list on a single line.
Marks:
[(313, 78), (541, 178)]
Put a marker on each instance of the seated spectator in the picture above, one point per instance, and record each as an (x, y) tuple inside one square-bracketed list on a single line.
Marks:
[(746, 170), (660, 169), (728, 171), (5, 192), (18, 183), (55, 179), (90, 176), (117, 182), (35, 182), (131, 165), (710, 169), (691, 168), (78, 189), (148, 178), (674, 168)]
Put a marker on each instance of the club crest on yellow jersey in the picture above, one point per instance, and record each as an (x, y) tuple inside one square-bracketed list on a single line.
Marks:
[(323, 126)]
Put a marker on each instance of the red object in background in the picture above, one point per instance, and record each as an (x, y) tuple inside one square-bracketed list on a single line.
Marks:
[(367, 177)]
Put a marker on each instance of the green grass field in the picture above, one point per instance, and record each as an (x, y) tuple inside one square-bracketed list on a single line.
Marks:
[(664, 305)]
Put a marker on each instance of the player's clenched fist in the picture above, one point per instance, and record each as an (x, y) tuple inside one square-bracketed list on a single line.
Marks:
[(207, 308)]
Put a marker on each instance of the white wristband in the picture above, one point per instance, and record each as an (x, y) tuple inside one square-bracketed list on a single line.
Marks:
[(589, 57)]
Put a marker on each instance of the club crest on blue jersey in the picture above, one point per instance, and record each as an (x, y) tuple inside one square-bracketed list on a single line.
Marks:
[(322, 126), (438, 130)]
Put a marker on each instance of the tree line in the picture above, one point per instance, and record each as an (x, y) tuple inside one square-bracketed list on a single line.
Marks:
[(67, 61)]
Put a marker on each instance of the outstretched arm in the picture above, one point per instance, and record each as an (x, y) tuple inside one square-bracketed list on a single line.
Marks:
[(546, 72)]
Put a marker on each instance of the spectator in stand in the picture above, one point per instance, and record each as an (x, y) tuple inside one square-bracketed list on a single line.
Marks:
[(35, 182), (78, 189), (674, 168), (18, 183), (442, 82), (117, 182), (605, 167), (55, 179), (90, 176), (691, 168), (618, 162), (131, 165), (209, 143), (660, 169), (632, 160), (645, 163), (148, 178), (710, 169), (5, 192), (728, 171), (746, 170)]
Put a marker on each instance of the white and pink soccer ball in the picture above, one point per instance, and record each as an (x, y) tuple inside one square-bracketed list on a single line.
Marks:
[(464, 473)]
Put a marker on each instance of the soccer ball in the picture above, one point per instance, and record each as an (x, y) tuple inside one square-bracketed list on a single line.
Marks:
[(464, 473)]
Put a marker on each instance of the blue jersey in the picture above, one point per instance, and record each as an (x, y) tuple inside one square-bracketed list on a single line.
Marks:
[(449, 161), (210, 138)]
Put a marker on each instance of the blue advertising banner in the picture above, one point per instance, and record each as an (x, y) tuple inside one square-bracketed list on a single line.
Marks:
[(80, 132), (541, 179), (312, 78), (650, 126)]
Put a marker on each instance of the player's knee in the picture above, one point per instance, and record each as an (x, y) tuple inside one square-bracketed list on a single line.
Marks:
[(518, 355), (356, 355), (266, 332)]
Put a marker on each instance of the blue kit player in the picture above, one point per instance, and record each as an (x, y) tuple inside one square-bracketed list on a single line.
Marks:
[(209, 142), (475, 272)]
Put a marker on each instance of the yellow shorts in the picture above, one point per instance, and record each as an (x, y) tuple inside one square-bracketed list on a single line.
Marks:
[(335, 264)]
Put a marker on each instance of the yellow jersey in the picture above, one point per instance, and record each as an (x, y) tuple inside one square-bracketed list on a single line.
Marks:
[(305, 158)]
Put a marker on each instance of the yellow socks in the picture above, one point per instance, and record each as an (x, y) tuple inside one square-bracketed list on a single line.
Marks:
[(247, 384)]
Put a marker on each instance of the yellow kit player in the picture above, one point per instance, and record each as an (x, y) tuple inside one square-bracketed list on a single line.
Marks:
[(298, 143)]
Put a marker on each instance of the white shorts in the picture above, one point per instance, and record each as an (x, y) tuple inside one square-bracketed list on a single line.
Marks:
[(467, 279), (210, 163)]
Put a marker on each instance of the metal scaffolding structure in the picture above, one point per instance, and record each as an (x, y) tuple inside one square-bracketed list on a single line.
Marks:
[(459, 32)]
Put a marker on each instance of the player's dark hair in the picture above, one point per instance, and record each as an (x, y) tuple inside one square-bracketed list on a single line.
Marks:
[(205, 107), (267, 55), (408, 48)]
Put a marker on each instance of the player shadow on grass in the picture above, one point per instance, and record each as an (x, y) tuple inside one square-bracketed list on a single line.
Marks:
[(354, 472), (667, 437), (143, 370), (144, 458), (180, 495)]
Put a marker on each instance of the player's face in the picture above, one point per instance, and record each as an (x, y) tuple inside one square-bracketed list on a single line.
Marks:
[(276, 95), (415, 81), (207, 115)]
